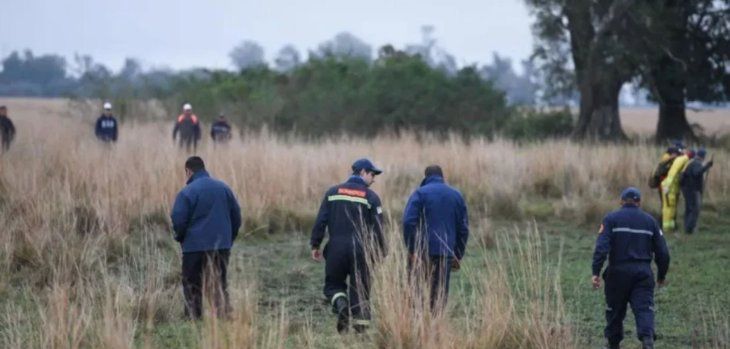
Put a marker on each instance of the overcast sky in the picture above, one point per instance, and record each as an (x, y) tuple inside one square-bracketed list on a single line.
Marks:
[(183, 34)]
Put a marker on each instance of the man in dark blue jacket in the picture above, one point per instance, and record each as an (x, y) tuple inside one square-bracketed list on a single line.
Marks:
[(106, 125), (436, 229), (352, 214), (692, 185), (630, 238), (206, 218), (7, 130)]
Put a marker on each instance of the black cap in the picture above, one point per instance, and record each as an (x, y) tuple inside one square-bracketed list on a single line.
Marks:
[(367, 165), (631, 193)]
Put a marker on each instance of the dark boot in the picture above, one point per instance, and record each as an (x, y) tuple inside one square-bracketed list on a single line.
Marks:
[(361, 325), (342, 309), (613, 345), (647, 343)]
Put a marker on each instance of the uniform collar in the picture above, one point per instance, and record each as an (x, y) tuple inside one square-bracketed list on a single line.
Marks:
[(357, 179), (197, 175), (432, 179), (629, 206)]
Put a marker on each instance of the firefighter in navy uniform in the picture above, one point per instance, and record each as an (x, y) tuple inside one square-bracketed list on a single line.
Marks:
[(630, 239), (107, 129), (352, 215)]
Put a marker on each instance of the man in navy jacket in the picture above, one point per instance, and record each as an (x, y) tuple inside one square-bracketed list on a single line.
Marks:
[(436, 229), (352, 215), (693, 185), (106, 129), (206, 218), (630, 239)]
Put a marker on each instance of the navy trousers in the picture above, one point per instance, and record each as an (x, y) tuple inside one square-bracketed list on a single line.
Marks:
[(347, 274), (629, 283), (692, 202)]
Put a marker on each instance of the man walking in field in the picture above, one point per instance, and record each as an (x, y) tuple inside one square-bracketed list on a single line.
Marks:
[(188, 126), (206, 218), (435, 230), (7, 130), (630, 239), (670, 190), (692, 184), (351, 212), (220, 131), (106, 125)]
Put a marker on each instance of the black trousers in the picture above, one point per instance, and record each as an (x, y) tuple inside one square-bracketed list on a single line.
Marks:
[(347, 274), (692, 203), (633, 284), (437, 271), (205, 273)]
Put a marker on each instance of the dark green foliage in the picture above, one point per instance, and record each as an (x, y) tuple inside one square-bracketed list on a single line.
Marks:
[(533, 125), (332, 95)]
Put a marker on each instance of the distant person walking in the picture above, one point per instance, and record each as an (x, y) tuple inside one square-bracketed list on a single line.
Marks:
[(220, 131), (693, 184), (435, 230), (662, 169), (351, 212), (7, 129), (206, 218), (630, 239), (106, 129), (670, 190), (188, 126)]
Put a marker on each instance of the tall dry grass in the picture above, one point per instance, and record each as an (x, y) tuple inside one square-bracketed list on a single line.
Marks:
[(87, 260)]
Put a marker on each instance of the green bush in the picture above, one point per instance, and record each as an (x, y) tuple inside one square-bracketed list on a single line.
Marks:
[(534, 125)]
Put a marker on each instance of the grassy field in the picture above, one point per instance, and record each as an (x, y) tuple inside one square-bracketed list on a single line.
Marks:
[(87, 259)]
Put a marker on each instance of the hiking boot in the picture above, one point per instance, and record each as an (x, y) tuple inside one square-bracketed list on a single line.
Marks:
[(342, 308), (647, 343)]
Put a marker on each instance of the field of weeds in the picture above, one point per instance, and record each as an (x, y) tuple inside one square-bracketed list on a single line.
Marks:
[(88, 261)]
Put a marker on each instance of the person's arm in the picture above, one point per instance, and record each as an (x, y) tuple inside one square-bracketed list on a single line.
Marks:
[(411, 220), (235, 213), (97, 129), (462, 229), (175, 130), (11, 133), (603, 248), (376, 219), (320, 226), (115, 132), (180, 216), (661, 254)]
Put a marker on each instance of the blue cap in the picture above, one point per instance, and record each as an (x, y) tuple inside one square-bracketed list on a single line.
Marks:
[(631, 193), (365, 164), (672, 150), (701, 153), (678, 143)]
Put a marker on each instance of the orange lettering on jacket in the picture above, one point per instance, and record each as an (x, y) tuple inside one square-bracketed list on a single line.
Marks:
[(351, 192)]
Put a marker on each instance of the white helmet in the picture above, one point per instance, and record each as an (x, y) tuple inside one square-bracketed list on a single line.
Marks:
[(187, 106), (107, 106)]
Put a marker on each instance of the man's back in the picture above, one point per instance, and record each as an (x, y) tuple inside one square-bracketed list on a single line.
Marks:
[(631, 235), (7, 129), (350, 213), (206, 214), (439, 211)]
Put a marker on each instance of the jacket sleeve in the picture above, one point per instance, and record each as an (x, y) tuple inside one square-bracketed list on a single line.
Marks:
[(116, 130), (11, 131), (661, 253), (603, 247), (411, 219), (180, 216), (376, 219), (175, 130), (462, 229), (97, 129), (320, 225), (235, 213)]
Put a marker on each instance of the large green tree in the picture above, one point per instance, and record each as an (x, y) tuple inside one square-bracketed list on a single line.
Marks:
[(677, 49)]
